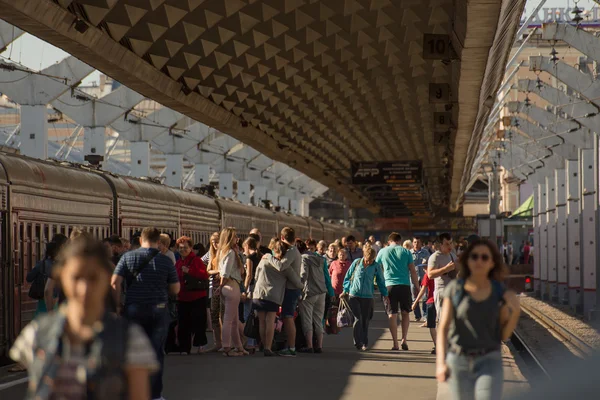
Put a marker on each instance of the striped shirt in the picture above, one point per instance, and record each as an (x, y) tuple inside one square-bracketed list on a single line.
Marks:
[(151, 285)]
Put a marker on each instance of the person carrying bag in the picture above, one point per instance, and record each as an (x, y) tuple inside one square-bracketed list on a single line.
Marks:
[(359, 290)]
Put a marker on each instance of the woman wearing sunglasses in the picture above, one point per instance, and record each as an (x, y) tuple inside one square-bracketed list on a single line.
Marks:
[(477, 315)]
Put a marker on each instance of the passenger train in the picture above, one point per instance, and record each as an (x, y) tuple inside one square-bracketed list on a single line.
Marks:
[(39, 199)]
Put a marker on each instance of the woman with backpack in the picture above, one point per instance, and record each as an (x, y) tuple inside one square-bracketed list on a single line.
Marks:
[(39, 275), (82, 351), (477, 315)]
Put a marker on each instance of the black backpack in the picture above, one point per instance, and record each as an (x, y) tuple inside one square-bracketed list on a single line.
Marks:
[(36, 290)]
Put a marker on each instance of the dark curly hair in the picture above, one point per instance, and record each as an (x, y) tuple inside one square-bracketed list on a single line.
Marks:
[(498, 272)]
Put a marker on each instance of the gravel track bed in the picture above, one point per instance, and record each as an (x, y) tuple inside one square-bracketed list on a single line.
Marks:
[(564, 316), (550, 351)]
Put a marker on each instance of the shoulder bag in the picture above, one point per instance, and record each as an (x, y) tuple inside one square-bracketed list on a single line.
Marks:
[(194, 284)]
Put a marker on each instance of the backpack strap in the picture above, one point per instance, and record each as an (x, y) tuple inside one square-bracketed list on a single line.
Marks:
[(499, 289), (459, 293)]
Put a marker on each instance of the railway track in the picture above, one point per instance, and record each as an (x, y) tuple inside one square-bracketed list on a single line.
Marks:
[(575, 344), (579, 345), (528, 354)]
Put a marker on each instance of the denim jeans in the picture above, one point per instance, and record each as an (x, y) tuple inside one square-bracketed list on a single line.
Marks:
[(475, 378), (154, 320)]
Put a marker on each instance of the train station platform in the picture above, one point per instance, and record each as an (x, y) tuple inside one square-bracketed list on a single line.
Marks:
[(341, 372)]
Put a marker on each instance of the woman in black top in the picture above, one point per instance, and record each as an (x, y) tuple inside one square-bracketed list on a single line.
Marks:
[(477, 315), (253, 256)]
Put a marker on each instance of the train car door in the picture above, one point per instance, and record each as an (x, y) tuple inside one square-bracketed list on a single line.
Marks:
[(18, 231), (5, 289)]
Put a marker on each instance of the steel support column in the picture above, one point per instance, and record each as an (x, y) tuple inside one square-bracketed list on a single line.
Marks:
[(542, 263), (589, 206), (574, 235), (294, 206), (201, 175), (226, 185), (536, 240), (284, 203), (243, 192), (174, 170), (273, 197), (34, 131), (552, 290), (561, 235), (260, 195), (140, 159)]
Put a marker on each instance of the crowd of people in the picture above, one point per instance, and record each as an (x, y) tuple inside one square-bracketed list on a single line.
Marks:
[(118, 306)]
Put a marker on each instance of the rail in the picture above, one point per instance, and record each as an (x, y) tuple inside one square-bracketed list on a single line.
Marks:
[(584, 348), (529, 357)]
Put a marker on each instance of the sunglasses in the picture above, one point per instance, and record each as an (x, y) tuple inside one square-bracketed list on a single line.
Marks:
[(475, 257)]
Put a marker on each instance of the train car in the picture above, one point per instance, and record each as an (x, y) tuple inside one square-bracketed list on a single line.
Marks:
[(39, 200), (266, 222), (236, 215), (244, 218), (140, 203), (316, 229), (299, 224), (199, 216), (332, 232)]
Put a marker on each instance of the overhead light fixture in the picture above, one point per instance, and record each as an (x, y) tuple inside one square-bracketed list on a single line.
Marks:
[(80, 25), (489, 102)]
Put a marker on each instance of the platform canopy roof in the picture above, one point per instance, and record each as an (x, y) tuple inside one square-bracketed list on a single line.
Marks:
[(314, 84)]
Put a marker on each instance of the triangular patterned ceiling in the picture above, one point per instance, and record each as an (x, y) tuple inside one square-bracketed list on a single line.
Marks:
[(330, 82)]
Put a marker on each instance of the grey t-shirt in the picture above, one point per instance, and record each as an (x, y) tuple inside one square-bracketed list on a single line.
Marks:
[(437, 261), (476, 324)]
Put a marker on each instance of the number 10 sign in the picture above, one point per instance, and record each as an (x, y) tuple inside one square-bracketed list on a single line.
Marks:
[(436, 47)]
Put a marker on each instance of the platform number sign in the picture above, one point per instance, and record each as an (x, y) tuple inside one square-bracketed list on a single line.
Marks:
[(441, 121), (439, 93), (436, 47)]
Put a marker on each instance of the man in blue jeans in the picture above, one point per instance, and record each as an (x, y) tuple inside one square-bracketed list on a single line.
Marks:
[(420, 256), (150, 277)]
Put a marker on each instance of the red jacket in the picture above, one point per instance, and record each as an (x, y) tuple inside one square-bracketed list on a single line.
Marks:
[(197, 270)]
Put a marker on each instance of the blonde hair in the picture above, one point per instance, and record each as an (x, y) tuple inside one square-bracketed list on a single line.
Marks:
[(213, 252), (226, 243), (368, 252), (407, 244), (165, 240), (273, 242)]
